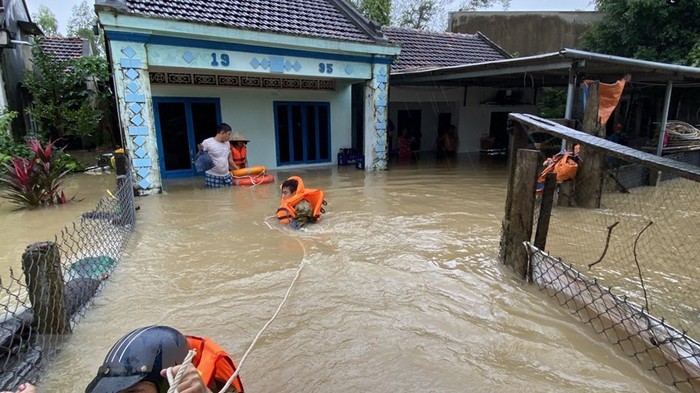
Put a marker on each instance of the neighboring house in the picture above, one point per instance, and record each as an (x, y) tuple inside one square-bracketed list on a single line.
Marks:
[(493, 89), (478, 110), (66, 48), (527, 33), (280, 72), (15, 61)]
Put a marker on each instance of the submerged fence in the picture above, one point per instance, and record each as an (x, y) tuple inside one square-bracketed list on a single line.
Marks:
[(621, 240), (43, 302)]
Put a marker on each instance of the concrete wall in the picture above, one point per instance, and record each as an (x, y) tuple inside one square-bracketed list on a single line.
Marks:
[(527, 33), (471, 117), (15, 62), (251, 112)]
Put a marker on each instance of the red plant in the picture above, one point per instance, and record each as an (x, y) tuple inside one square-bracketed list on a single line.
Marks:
[(43, 154), (36, 181)]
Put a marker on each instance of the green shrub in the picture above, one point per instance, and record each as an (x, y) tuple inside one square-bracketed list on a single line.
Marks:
[(35, 181)]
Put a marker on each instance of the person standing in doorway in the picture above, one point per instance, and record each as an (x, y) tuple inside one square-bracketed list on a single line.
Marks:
[(447, 142), (415, 136), (239, 151), (404, 145), (219, 149)]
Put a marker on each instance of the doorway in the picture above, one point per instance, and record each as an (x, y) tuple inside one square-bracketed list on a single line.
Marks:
[(302, 132), (498, 130), (181, 124), (410, 120)]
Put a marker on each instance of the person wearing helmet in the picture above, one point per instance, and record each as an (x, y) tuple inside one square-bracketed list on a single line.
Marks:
[(137, 363)]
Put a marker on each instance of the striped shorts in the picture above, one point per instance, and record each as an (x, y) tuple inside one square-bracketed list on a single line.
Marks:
[(217, 181)]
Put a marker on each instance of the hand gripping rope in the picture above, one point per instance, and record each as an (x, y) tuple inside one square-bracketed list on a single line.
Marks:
[(173, 382)]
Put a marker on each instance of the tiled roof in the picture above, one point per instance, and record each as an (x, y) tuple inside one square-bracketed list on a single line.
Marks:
[(311, 18), (424, 49), (63, 48)]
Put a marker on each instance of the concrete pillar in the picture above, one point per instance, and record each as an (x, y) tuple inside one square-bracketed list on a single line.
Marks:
[(41, 263), (376, 118), (133, 92)]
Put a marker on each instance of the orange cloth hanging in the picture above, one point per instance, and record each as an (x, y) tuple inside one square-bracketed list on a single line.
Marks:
[(608, 97)]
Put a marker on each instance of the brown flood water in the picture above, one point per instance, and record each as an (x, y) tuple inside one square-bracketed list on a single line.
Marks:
[(402, 291), (21, 227)]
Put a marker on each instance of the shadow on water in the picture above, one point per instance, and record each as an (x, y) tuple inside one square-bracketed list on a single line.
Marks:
[(402, 291)]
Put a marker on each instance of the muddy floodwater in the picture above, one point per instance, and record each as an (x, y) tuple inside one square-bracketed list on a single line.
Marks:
[(400, 290)]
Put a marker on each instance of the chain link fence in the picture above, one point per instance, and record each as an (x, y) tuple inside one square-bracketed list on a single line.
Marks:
[(621, 241), (43, 302)]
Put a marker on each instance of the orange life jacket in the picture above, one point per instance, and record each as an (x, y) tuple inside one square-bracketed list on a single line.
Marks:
[(239, 155), (287, 209), (563, 164), (448, 142), (213, 363)]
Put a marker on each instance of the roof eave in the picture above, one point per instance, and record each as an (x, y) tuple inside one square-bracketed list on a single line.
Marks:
[(116, 6), (120, 20), (494, 45), (371, 29), (646, 64)]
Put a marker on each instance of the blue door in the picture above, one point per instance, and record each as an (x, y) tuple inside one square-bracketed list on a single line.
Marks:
[(303, 132), (182, 123)]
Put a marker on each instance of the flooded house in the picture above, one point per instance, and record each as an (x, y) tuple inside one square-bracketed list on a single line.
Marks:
[(280, 73), (305, 81), (301, 81)]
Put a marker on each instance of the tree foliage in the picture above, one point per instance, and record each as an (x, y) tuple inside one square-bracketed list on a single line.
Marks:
[(647, 29), (417, 14), (80, 24), (432, 14), (46, 20), (68, 96), (471, 5), (552, 103), (378, 11)]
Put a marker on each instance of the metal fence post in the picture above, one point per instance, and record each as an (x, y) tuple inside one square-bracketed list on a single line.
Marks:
[(120, 166)]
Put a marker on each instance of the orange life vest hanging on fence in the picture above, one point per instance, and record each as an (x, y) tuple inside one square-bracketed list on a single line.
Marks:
[(563, 164), (239, 155), (287, 209), (213, 363)]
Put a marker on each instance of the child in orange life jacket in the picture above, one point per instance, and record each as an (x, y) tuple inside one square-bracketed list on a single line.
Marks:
[(299, 205), (304, 211), (239, 151)]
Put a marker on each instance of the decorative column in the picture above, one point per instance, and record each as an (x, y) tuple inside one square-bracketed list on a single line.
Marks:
[(133, 94), (376, 118)]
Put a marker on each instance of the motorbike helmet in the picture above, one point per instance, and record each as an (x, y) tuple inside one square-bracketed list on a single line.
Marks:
[(140, 356)]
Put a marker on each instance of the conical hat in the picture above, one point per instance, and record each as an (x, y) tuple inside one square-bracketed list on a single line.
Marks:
[(238, 136)]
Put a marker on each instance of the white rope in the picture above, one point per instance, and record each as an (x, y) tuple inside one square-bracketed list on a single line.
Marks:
[(257, 336), (253, 180), (267, 223), (682, 130), (173, 382)]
